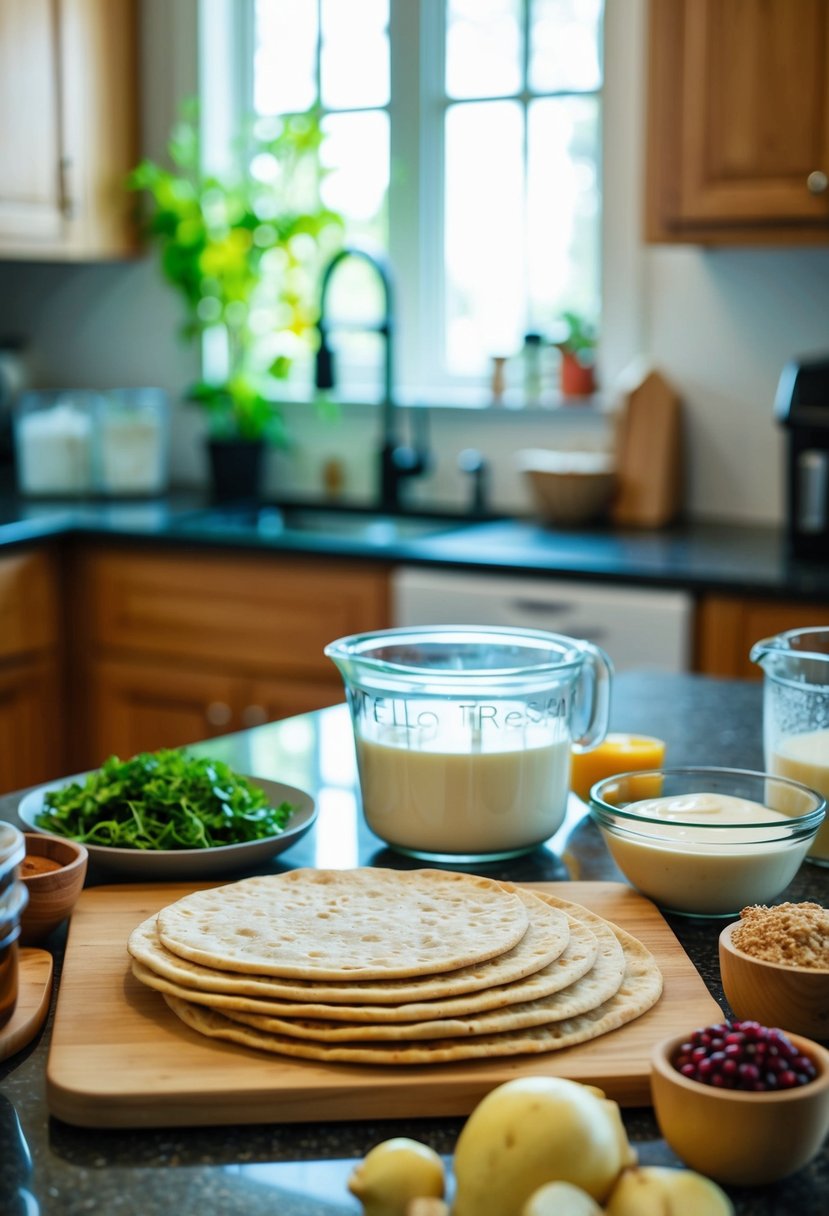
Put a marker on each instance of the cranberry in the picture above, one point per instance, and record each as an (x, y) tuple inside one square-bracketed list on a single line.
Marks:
[(743, 1055)]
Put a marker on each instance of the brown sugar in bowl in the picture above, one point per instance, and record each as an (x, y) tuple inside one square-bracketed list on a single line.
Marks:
[(776, 994), (736, 1137), (53, 891)]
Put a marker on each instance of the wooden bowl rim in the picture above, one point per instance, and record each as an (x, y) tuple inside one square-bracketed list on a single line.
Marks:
[(66, 867), (661, 1063), (784, 968)]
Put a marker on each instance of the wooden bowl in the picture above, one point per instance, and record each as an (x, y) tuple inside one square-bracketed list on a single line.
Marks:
[(568, 487), (794, 998), (739, 1138), (52, 893)]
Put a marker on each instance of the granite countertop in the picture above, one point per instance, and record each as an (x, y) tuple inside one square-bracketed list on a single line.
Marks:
[(293, 1169), (740, 559)]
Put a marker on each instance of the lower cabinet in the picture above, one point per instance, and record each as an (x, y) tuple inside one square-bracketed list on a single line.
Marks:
[(32, 715), (139, 705), (179, 647), (728, 627), (31, 723)]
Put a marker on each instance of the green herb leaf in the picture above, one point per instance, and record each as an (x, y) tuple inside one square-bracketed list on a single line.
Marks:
[(162, 800)]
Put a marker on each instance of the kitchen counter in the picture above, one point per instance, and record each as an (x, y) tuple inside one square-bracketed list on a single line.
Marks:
[(302, 1169), (742, 559)]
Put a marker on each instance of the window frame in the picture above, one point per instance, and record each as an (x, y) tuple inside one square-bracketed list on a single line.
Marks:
[(417, 108)]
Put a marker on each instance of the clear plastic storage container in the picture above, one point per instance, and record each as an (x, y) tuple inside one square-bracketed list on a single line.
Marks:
[(132, 442), (53, 439)]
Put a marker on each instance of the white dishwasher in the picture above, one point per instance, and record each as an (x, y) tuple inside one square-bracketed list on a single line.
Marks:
[(643, 628)]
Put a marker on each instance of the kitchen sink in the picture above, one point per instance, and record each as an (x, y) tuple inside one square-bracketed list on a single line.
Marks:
[(366, 527)]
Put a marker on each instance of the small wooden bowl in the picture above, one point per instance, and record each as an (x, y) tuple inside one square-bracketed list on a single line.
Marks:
[(794, 998), (52, 894), (739, 1138)]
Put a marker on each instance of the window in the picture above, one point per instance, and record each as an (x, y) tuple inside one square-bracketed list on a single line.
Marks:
[(463, 138)]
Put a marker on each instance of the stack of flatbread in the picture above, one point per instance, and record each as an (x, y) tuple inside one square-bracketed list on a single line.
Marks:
[(392, 967)]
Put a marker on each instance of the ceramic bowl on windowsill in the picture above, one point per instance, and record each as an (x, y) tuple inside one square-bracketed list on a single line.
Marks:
[(568, 487)]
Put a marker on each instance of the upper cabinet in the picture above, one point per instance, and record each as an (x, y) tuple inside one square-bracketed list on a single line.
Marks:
[(738, 122), (68, 128)]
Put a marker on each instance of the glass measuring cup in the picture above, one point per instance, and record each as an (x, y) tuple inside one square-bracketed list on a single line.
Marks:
[(796, 713), (463, 734)]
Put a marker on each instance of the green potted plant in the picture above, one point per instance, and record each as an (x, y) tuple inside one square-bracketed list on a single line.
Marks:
[(242, 249), (576, 339)]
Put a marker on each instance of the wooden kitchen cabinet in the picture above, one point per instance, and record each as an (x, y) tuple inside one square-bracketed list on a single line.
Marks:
[(180, 647), (728, 627), (738, 122), (68, 128), (31, 719)]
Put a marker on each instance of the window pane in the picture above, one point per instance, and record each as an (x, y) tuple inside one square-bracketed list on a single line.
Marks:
[(284, 70), (484, 233), (483, 47), (354, 56), (563, 208), (355, 160), (565, 45)]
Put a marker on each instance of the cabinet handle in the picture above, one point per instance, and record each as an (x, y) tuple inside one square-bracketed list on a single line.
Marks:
[(254, 715), (541, 607), (218, 713), (817, 182), (67, 203)]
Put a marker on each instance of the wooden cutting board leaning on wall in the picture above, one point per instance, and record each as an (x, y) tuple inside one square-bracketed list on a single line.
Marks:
[(648, 453)]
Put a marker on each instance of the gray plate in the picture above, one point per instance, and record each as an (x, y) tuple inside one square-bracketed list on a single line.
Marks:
[(157, 865)]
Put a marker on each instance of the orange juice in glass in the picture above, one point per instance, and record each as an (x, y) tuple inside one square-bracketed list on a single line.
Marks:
[(618, 753)]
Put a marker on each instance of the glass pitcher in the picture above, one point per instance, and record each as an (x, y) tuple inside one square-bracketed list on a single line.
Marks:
[(796, 713), (463, 734)]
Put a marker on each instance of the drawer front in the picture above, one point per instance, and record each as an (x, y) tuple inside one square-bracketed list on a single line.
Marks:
[(263, 614), (28, 604)]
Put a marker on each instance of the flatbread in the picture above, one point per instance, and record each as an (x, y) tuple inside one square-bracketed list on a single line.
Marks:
[(593, 989), (552, 936), (641, 988), (575, 962), (346, 924)]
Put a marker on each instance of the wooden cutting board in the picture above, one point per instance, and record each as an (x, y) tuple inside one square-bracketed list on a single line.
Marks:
[(120, 1058), (649, 455)]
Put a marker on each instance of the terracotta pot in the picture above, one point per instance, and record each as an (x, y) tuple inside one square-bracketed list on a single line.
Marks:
[(577, 379), (236, 469)]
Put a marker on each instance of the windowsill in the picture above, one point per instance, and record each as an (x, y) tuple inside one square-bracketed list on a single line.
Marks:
[(468, 399)]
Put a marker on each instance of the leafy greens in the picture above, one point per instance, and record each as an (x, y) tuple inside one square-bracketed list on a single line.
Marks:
[(162, 800)]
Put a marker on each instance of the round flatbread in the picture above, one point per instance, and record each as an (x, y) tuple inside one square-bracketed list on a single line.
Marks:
[(576, 960), (641, 988), (556, 948), (346, 924), (593, 989)]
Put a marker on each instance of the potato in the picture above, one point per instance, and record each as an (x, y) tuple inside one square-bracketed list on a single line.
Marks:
[(655, 1190), (535, 1130), (560, 1199), (395, 1172)]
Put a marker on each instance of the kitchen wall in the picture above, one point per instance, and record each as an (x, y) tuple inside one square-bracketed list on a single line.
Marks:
[(720, 324)]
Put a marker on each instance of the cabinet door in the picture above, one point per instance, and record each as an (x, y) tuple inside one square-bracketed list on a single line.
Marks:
[(31, 138), (270, 700), (739, 120), (31, 748), (138, 706), (727, 628), (246, 615), (68, 128)]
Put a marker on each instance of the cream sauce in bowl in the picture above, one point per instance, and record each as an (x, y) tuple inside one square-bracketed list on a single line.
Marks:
[(708, 854)]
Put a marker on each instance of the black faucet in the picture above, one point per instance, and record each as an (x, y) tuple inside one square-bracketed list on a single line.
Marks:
[(397, 461)]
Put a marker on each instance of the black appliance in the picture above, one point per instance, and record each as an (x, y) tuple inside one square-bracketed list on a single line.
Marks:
[(802, 407)]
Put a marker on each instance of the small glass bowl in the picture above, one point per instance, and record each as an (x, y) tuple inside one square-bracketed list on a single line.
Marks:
[(716, 867)]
